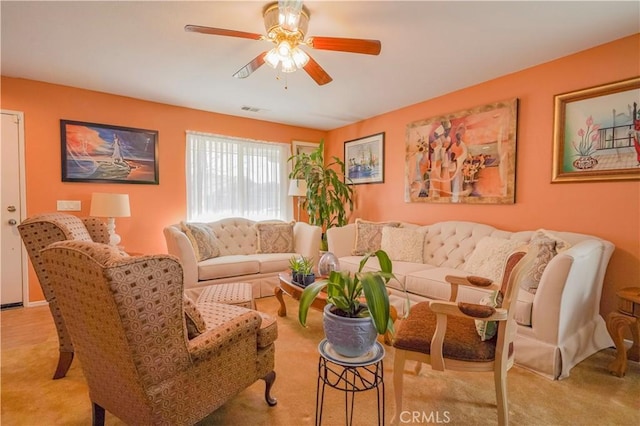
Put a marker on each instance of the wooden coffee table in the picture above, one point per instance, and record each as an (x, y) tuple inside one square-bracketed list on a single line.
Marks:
[(287, 286)]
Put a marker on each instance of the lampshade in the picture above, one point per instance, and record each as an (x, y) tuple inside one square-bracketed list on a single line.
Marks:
[(109, 205), (298, 188)]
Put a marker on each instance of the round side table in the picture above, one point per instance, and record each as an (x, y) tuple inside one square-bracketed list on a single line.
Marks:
[(627, 315), (350, 375)]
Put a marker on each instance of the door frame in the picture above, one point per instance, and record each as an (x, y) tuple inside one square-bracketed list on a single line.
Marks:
[(23, 204)]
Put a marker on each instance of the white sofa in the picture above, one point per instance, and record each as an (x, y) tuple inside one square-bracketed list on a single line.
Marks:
[(239, 258), (558, 326)]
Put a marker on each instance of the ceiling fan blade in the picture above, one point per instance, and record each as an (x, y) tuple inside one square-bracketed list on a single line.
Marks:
[(256, 63), (222, 32), (353, 45), (317, 73)]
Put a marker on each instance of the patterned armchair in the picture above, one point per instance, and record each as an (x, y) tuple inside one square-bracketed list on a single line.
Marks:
[(38, 232), (148, 355)]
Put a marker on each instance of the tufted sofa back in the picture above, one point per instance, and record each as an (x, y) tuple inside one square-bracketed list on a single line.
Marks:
[(235, 235), (448, 244)]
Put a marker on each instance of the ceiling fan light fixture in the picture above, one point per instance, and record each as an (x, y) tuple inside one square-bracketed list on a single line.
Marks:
[(284, 49), (300, 57), (286, 22), (271, 14), (287, 65), (289, 14), (272, 58)]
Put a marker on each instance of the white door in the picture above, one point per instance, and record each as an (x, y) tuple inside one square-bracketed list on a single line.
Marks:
[(13, 280)]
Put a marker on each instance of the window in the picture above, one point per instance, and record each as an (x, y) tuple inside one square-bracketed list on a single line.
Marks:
[(234, 177)]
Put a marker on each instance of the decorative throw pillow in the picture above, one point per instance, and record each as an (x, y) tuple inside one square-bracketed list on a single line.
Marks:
[(369, 236), (192, 317), (487, 329), (402, 244), (202, 239), (561, 245), (488, 258), (275, 237), (547, 246)]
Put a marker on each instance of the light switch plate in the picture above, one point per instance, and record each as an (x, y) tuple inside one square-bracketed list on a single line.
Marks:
[(69, 206)]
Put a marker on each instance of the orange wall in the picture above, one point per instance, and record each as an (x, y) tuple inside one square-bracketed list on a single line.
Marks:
[(152, 206), (610, 210)]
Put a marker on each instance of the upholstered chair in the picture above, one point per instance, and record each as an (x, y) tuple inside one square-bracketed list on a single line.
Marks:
[(148, 355), (39, 231), (421, 336)]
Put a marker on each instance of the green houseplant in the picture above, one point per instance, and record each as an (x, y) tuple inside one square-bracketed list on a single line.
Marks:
[(357, 296), (302, 270), (329, 196)]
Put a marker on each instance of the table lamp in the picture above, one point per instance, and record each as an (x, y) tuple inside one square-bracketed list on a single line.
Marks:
[(298, 188), (110, 206)]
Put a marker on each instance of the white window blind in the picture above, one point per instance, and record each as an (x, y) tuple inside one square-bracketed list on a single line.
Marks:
[(233, 177)]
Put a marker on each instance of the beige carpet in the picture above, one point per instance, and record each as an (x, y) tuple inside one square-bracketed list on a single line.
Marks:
[(590, 396)]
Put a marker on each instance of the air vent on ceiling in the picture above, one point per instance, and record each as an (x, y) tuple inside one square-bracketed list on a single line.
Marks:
[(251, 109)]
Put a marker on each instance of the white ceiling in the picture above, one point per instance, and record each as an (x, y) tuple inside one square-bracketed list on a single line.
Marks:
[(140, 49)]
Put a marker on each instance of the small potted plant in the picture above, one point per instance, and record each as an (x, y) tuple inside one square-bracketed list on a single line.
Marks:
[(295, 264), (359, 302), (302, 270)]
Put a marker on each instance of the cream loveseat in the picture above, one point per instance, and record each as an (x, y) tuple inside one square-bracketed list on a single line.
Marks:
[(559, 323), (240, 250)]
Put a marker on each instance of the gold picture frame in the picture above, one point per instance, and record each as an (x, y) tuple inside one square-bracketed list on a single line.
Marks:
[(596, 133)]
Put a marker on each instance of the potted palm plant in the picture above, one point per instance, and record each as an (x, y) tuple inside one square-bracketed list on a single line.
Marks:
[(357, 307), (329, 196)]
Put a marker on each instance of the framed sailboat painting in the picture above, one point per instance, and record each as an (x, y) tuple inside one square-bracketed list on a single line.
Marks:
[(94, 152), (364, 159)]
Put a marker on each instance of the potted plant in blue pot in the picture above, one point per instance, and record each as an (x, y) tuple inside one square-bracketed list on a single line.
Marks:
[(357, 307)]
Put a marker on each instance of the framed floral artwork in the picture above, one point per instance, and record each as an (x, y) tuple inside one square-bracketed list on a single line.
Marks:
[(596, 133), (466, 157)]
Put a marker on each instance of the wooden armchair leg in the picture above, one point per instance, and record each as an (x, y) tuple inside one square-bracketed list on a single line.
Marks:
[(64, 363), (398, 378), (269, 379), (98, 415), (500, 378)]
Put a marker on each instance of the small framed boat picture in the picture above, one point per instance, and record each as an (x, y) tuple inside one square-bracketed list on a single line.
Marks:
[(364, 159), (97, 153)]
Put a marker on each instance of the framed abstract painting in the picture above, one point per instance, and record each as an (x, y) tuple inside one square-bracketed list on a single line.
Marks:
[(464, 157), (94, 152)]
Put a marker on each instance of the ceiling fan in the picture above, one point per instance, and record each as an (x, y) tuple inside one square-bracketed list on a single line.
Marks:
[(286, 23)]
